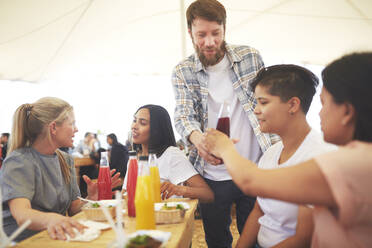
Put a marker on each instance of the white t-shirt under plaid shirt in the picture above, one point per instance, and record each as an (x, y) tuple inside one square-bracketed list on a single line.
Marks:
[(220, 89), (190, 84)]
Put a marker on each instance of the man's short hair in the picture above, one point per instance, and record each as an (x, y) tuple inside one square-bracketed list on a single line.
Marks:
[(287, 81), (210, 10)]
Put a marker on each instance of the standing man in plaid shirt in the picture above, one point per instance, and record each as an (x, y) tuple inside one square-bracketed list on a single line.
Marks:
[(218, 72)]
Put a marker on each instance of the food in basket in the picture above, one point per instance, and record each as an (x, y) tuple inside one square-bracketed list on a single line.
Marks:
[(143, 241), (169, 214), (167, 207), (95, 205), (93, 211)]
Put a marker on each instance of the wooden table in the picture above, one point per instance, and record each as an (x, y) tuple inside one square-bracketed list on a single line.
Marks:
[(83, 162), (79, 162), (181, 233)]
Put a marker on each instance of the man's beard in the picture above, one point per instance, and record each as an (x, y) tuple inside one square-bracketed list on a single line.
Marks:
[(220, 52)]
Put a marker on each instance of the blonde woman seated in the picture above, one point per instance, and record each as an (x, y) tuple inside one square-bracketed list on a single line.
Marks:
[(38, 181), (152, 131), (338, 183)]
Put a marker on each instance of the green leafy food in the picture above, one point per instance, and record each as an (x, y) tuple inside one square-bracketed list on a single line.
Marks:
[(180, 206), (143, 241), (95, 205), (139, 240), (166, 207)]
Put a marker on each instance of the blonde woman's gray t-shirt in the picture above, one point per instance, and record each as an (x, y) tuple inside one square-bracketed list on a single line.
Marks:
[(28, 174)]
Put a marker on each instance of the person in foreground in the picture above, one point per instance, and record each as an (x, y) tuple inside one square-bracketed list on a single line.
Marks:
[(152, 132), (38, 181), (337, 183), (284, 94)]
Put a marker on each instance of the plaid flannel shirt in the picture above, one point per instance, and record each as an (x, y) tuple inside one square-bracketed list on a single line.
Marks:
[(190, 84)]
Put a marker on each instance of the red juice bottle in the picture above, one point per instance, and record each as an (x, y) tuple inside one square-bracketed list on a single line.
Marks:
[(132, 183), (104, 179), (223, 123)]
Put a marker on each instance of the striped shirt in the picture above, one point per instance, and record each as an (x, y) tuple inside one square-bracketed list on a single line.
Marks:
[(190, 84)]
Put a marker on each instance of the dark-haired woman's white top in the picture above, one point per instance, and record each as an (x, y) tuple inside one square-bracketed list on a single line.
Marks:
[(28, 174), (174, 166)]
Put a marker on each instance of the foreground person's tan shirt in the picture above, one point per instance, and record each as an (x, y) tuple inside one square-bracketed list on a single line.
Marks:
[(348, 172)]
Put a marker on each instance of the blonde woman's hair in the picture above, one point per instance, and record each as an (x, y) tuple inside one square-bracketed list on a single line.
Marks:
[(31, 120)]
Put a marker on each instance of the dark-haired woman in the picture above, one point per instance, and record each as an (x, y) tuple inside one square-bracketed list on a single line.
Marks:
[(337, 183), (152, 131)]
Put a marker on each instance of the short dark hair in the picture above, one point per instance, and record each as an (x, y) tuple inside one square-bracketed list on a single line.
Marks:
[(210, 10), (113, 137), (161, 131), (87, 134), (287, 81), (349, 80), (5, 134)]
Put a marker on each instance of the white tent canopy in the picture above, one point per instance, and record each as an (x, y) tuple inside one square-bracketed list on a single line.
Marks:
[(43, 40), (108, 57)]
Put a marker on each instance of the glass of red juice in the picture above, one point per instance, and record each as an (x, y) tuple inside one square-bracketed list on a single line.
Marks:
[(223, 123)]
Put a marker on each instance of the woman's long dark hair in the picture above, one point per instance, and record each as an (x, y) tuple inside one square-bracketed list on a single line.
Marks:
[(113, 137), (349, 80), (161, 131)]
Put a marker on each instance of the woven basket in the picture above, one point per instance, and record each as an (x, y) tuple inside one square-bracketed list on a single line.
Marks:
[(97, 214), (169, 216)]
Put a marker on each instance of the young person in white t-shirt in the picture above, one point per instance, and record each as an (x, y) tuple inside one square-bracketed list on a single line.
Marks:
[(284, 94), (337, 183), (152, 131)]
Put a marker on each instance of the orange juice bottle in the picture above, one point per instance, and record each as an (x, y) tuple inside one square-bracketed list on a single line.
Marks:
[(155, 177), (144, 199)]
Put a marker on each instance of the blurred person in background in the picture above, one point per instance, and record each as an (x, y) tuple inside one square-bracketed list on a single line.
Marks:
[(95, 144), (129, 142), (118, 156), (4, 144), (85, 145), (86, 148)]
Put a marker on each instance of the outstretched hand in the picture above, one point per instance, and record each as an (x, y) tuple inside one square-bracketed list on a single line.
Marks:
[(115, 179), (92, 187), (216, 142), (197, 139)]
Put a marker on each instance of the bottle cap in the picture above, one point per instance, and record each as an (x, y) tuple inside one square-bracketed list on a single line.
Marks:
[(132, 153), (103, 161), (144, 158)]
